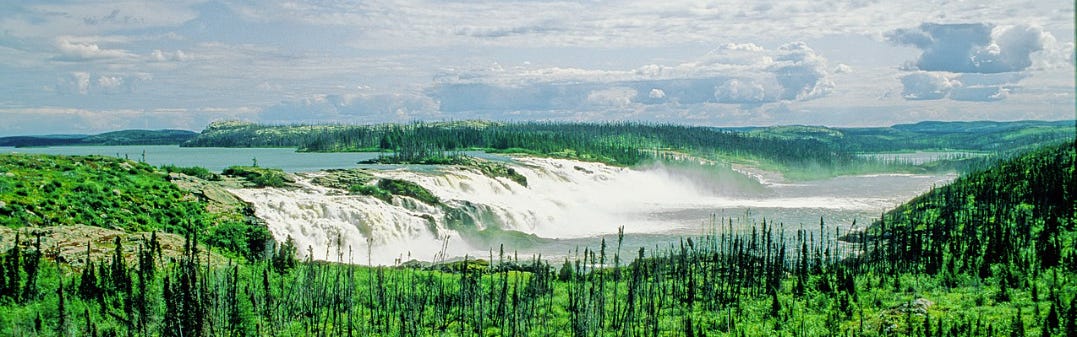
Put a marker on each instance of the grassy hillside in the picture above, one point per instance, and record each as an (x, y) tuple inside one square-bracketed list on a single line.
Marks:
[(993, 254), (124, 137), (39, 190), (42, 190)]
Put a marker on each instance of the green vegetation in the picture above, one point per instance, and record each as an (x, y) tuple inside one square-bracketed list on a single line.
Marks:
[(966, 136), (43, 190), (486, 167), (613, 143), (495, 170), (125, 137), (800, 152), (407, 188), (40, 190), (993, 254), (195, 171), (259, 176), (363, 183), (371, 190)]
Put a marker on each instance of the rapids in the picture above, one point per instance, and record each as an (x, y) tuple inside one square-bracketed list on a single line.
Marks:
[(563, 199)]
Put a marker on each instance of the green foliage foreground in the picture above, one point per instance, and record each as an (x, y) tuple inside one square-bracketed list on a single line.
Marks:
[(107, 192), (995, 275)]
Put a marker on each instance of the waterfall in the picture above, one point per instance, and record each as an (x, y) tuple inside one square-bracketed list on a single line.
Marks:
[(563, 199)]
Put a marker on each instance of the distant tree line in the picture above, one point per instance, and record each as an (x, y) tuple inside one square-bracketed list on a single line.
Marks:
[(621, 143)]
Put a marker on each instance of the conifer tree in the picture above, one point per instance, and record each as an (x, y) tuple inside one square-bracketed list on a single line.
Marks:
[(61, 310), (14, 259), (1071, 318), (31, 265)]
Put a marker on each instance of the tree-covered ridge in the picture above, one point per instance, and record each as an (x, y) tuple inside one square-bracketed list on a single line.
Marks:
[(123, 137), (614, 143), (107, 192), (1018, 216), (985, 136)]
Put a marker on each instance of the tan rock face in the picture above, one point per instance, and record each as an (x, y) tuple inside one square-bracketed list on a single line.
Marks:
[(214, 193), (67, 245)]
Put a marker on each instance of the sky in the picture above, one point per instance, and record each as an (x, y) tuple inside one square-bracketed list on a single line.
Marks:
[(94, 66)]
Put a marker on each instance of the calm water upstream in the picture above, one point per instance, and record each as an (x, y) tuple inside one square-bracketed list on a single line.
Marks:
[(217, 159)]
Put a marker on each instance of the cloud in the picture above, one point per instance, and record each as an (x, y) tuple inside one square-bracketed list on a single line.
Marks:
[(801, 73), (980, 94), (612, 97), (656, 94), (743, 91), (653, 96), (539, 29), (45, 120), (81, 48), (353, 108), (163, 56), (973, 47), (923, 85), (730, 74), (84, 83), (926, 86)]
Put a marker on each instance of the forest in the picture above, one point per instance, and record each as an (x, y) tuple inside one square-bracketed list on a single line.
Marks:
[(123, 137), (983, 136), (799, 152), (622, 144), (992, 254)]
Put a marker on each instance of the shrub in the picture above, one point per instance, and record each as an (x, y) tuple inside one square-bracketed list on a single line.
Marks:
[(407, 188), (371, 190), (259, 177), (194, 171)]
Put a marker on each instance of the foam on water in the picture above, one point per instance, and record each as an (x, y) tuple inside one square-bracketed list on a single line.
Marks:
[(564, 199)]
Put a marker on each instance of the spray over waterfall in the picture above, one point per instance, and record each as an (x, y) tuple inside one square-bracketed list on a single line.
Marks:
[(563, 199)]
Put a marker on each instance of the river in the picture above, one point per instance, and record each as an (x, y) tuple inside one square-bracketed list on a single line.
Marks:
[(566, 204)]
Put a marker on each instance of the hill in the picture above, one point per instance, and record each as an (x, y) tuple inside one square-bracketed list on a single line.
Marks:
[(622, 144), (1019, 214), (124, 137), (44, 191), (984, 136)]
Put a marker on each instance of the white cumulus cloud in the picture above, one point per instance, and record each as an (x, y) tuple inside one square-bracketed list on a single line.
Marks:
[(923, 85), (612, 97), (742, 91), (77, 48), (973, 47), (164, 56)]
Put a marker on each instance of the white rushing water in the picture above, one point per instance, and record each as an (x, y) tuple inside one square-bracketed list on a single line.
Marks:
[(564, 199)]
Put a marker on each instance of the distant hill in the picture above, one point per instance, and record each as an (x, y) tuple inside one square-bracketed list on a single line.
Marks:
[(125, 137), (984, 136)]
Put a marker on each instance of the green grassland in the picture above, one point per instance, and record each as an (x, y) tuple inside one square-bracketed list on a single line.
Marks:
[(992, 254)]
